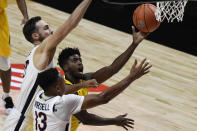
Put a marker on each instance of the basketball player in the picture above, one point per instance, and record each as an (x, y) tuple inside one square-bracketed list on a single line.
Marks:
[(39, 33), (52, 109), (71, 63), (5, 51)]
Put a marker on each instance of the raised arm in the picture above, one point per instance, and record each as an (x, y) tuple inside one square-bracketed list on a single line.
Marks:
[(92, 119), (23, 8), (46, 49), (106, 72), (136, 72)]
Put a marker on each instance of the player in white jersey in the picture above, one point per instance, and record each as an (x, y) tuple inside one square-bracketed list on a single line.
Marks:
[(39, 33), (52, 109)]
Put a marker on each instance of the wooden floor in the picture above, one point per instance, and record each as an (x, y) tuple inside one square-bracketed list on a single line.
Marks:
[(164, 100)]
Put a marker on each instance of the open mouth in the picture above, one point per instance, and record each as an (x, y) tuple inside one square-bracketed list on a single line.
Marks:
[(80, 69)]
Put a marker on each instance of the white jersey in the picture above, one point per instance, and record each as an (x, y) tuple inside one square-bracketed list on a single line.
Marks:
[(27, 94), (54, 113)]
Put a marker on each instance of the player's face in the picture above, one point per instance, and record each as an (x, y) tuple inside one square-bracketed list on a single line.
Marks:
[(44, 30), (75, 66)]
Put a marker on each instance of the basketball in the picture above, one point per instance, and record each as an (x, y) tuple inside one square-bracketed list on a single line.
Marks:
[(144, 18)]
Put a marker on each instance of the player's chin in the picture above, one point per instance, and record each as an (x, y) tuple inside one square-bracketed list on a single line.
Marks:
[(79, 75)]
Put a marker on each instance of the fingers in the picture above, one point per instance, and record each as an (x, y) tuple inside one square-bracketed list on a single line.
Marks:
[(138, 71), (135, 64), (124, 115), (147, 67), (93, 83), (140, 67), (125, 127), (128, 125), (133, 29), (130, 120), (142, 63)]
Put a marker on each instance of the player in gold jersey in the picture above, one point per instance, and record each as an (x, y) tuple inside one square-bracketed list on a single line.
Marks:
[(5, 50), (71, 63)]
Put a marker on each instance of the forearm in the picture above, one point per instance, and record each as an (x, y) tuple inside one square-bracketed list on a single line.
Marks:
[(52, 41), (75, 17), (92, 119), (78, 13), (120, 61), (23, 8), (93, 100), (117, 64), (116, 89), (71, 89), (95, 120)]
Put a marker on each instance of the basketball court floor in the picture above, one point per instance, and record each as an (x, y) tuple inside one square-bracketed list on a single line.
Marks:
[(163, 100)]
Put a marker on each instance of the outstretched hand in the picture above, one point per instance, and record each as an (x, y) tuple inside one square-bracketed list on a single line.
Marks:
[(138, 36), (124, 122), (139, 70)]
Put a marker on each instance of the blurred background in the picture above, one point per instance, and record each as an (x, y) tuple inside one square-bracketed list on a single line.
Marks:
[(181, 36)]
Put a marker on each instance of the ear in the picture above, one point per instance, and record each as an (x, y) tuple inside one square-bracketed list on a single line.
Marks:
[(57, 87), (35, 36), (65, 68)]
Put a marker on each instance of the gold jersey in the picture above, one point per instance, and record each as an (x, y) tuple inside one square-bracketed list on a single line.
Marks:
[(74, 120), (4, 30)]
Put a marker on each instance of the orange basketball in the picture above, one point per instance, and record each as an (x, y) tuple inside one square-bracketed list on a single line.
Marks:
[(144, 18)]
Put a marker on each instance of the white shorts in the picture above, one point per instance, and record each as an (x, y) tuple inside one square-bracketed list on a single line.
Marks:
[(4, 63), (12, 120)]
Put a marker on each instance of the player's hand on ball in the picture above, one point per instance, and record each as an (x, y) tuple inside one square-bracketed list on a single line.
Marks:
[(138, 36), (124, 122), (90, 84), (139, 70)]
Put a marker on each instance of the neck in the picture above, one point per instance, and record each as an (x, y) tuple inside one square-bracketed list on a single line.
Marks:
[(49, 94), (71, 78)]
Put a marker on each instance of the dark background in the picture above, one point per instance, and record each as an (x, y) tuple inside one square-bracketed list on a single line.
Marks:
[(181, 36)]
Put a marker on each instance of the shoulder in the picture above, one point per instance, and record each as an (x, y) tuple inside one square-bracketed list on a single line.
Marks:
[(71, 97)]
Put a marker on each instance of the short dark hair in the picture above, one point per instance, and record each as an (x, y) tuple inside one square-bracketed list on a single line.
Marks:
[(47, 78), (65, 54), (30, 28)]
